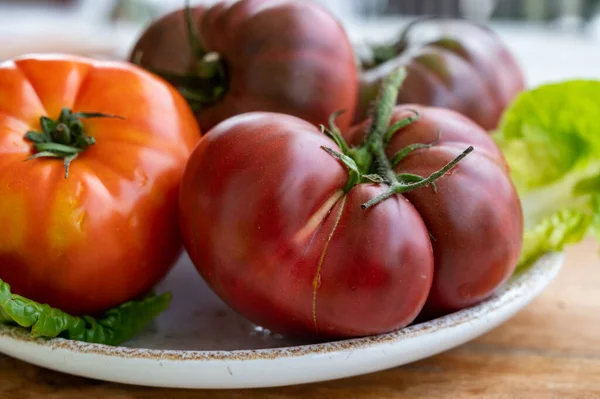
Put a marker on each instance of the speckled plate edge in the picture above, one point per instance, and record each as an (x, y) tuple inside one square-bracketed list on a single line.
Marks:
[(288, 365)]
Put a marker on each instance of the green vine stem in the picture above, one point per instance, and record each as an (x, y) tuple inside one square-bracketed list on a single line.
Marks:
[(380, 134), (382, 53), (380, 121), (193, 39), (206, 80), (370, 163), (385, 52), (399, 188), (64, 138)]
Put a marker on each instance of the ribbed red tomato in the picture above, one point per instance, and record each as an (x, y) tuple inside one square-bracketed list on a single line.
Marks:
[(276, 226), (107, 232), (281, 56), (453, 64)]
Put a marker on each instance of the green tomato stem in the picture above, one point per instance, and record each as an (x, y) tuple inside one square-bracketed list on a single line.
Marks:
[(193, 38), (369, 162), (64, 138), (403, 153), (380, 122), (399, 188)]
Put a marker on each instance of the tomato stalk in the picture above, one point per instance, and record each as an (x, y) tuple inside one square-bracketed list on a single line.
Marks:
[(64, 138), (206, 83), (382, 53), (369, 162), (379, 136)]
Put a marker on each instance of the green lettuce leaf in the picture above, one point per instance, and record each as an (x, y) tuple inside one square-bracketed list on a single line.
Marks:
[(553, 234), (550, 137), (114, 327)]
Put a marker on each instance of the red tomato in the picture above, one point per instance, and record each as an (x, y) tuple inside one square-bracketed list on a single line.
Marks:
[(282, 56), (268, 222), (265, 219), (108, 232), (456, 64)]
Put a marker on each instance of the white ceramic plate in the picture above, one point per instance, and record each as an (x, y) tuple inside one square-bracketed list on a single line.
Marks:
[(200, 343)]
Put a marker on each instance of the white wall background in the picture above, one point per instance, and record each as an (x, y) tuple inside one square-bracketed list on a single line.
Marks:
[(545, 52)]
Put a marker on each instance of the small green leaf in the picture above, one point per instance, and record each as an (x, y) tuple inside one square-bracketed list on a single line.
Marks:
[(91, 115), (37, 137), (401, 124), (354, 174), (400, 155), (195, 97), (47, 124), (57, 148), (68, 160), (114, 327), (334, 133), (412, 178), (409, 178), (432, 178), (65, 115), (44, 154)]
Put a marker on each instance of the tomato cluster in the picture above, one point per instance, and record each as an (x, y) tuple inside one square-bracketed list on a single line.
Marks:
[(308, 230), (277, 225)]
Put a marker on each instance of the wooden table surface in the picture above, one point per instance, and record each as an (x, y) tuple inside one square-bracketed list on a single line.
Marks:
[(549, 350)]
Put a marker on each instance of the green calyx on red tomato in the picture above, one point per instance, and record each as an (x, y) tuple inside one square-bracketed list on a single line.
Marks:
[(206, 82), (370, 163), (64, 138), (286, 56), (451, 63)]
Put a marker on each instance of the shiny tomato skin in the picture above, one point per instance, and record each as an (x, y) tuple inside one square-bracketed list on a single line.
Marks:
[(474, 215), (462, 66), (281, 56), (266, 222), (108, 232)]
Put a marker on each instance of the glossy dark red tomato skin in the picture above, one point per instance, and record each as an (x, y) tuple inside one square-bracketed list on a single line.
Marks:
[(464, 67), (280, 56), (267, 224), (474, 215), (265, 219)]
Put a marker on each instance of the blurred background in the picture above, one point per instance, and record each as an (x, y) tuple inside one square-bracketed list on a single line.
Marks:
[(553, 39)]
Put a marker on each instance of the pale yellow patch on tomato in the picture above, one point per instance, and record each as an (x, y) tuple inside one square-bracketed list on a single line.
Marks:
[(67, 218), (13, 219)]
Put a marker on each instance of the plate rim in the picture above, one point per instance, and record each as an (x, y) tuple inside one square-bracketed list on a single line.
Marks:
[(509, 292)]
